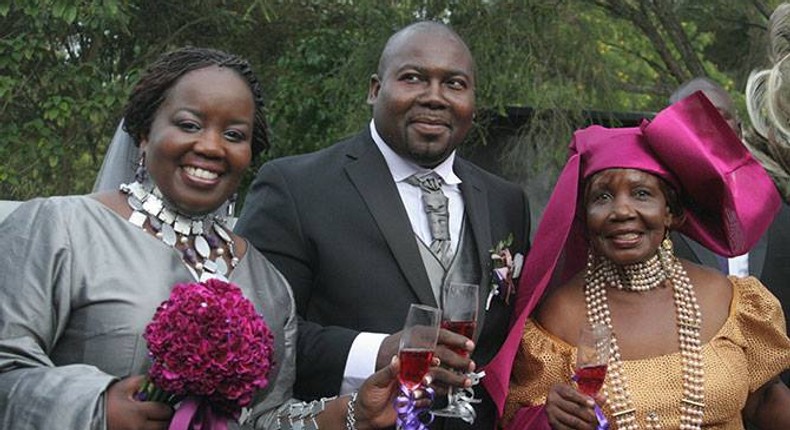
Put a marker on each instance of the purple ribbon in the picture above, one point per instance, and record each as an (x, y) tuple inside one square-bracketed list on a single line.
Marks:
[(603, 423), (409, 416), (195, 413)]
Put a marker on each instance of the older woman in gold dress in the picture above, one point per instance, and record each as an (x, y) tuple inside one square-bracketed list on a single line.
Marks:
[(690, 348)]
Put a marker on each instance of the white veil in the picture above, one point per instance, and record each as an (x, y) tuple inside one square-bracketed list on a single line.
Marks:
[(120, 162)]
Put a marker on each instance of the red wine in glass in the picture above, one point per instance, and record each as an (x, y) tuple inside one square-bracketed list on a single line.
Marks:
[(592, 358), (414, 365), (459, 315), (464, 328), (590, 378)]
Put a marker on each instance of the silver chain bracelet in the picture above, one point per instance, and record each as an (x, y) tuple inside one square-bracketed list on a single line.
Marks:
[(301, 416), (351, 420)]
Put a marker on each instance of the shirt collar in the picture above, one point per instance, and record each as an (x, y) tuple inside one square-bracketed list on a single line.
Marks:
[(401, 167)]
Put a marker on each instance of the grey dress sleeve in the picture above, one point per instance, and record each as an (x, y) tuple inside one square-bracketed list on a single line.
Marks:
[(36, 275), (278, 303)]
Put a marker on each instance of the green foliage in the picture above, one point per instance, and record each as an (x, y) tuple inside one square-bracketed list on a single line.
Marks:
[(66, 68)]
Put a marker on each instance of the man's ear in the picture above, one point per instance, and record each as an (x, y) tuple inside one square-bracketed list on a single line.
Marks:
[(373, 89)]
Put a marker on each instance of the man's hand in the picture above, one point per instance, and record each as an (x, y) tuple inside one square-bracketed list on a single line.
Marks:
[(453, 366), (126, 413)]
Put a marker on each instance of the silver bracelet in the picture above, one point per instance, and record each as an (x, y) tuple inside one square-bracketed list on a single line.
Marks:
[(351, 420), (301, 416)]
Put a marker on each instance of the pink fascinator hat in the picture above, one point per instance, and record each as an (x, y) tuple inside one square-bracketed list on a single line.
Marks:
[(728, 198)]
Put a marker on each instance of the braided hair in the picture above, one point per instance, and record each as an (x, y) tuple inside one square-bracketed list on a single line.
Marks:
[(153, 87)]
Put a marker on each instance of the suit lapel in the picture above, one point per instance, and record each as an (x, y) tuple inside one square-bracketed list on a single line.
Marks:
[(476, 211), (380, 194)]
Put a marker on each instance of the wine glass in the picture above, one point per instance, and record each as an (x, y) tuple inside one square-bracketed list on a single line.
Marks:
[(459, 315), (592, 360), (417, 344)]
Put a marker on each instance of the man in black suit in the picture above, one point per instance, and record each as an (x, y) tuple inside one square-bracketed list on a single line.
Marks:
[(352, 235), (769, 259)]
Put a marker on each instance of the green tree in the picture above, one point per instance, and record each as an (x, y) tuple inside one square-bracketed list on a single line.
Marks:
[(66, 68)]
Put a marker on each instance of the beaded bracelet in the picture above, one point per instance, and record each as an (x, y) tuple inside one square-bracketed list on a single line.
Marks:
[(351, 420), (301, 416)]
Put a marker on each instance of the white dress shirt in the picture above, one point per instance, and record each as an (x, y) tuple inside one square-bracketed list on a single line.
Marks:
[(361, 361), (739, 265)]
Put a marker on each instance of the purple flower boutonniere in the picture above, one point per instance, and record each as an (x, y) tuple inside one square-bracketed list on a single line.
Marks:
[(506, 268)]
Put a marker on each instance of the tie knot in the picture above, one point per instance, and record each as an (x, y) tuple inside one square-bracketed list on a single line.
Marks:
[(430, 182)]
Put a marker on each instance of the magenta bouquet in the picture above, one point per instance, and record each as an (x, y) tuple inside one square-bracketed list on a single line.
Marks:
[(210, 353)]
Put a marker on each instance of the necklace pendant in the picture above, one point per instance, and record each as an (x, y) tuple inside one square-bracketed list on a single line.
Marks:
[(222, 233), (167, 216), (135, 203), (210, 265), (138, 218), (135, 189), (152, 205), (199, 235), (205, 276), (168, 235), (222, 266), (201, 246), (189, 255), (182, 226)]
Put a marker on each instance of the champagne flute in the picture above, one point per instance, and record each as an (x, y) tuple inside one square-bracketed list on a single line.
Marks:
[(417, 344), (459, 315), (592, 360)]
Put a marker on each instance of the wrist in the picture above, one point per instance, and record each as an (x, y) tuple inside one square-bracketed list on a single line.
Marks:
[(356, 416), (351, 412)]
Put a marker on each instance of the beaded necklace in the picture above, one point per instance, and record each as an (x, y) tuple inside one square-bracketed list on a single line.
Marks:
[(602, 272), (204, 242)]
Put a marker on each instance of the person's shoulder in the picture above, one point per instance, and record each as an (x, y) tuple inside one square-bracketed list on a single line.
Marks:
[(50, 212), (714, 293), (317, 159), (704, 277), (490, 179), (563, 310)]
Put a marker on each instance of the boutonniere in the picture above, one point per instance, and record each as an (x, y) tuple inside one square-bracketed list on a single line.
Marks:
[(506, 268)]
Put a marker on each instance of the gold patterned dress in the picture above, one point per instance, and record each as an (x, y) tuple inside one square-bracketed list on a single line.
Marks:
[(750, 348)]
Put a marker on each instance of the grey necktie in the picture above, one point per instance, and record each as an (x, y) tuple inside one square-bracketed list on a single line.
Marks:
[(435, 205)]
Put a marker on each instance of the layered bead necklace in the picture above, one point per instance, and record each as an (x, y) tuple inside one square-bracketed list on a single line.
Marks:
[(642, 277), (204, 242)]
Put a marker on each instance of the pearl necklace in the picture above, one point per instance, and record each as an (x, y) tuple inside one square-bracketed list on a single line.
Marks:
[(642, 276), (201, 240), (600, 274)]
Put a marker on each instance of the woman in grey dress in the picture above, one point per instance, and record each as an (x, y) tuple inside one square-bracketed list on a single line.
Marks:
[(81, 276)]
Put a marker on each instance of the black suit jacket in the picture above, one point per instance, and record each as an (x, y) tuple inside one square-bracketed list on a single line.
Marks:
[(334, 224)]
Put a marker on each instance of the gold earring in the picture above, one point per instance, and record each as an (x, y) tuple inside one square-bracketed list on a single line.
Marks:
[(666, 252)]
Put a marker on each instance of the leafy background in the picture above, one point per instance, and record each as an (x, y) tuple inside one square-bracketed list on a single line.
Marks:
[(66, 67)]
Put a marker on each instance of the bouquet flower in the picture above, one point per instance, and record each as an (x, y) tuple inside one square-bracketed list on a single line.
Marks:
[(210, 351)]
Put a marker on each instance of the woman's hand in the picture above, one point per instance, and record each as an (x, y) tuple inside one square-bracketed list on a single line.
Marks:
[(126, 413), (567, 408)]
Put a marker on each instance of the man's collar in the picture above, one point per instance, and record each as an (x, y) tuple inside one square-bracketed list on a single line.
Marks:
[(401, 167)]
